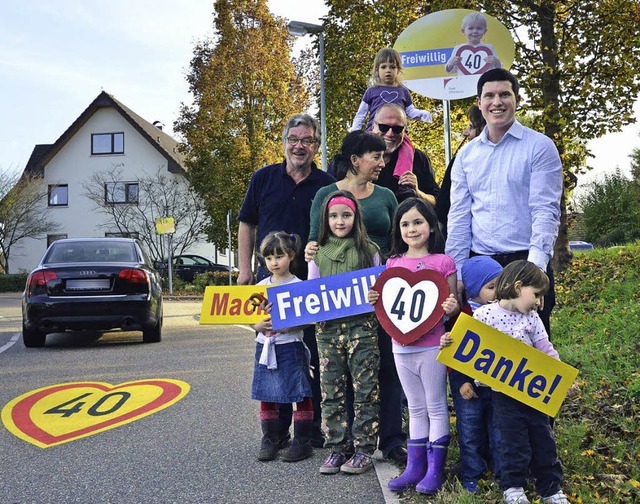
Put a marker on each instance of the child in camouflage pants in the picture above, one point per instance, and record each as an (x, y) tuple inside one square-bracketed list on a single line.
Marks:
[(348, 347)]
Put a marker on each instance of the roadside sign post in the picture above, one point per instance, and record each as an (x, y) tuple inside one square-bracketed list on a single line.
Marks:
[(167, 226)]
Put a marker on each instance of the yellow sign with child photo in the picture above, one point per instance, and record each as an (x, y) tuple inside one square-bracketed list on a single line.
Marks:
[(508, 365)]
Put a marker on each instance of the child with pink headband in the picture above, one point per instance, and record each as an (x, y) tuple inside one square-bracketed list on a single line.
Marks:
[(348, 347)]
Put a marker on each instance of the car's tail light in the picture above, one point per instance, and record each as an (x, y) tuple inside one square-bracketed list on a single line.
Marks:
[(37, 281), (135, 276)]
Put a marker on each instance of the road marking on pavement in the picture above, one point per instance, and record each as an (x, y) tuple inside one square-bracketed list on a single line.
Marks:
[(65, 412), (11, 342)]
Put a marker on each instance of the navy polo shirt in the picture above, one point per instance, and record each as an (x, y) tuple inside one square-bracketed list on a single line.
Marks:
[(274, 202)]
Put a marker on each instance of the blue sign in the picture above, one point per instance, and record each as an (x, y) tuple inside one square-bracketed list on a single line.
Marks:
[(426, 57), (322, 299)]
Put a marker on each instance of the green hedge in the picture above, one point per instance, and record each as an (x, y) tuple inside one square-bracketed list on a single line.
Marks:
[(13, 283)]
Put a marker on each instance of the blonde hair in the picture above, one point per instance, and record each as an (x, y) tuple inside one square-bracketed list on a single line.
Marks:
[(385, 55), (474, 16)]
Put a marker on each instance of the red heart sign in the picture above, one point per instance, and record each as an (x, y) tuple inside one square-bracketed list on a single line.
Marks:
[(473, 59), (60, 413), (410, 303)]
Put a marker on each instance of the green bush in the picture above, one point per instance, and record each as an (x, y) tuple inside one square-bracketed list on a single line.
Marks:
[(611, 210), (214, 278), (13, 283)]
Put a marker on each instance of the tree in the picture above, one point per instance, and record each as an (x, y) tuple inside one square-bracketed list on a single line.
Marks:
[(159, 195), (635, 165), (21, 213), (245, 88), (611, 210), (577, 62)]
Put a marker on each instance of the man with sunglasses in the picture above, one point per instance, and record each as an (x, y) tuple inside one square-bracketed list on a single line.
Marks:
[(279, 198), (390, 123)]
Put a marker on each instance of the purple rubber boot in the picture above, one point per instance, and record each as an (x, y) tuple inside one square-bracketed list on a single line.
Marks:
[(416, 465), (436, 457)]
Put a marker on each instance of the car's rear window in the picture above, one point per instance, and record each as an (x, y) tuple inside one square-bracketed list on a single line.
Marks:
[(91, 252)]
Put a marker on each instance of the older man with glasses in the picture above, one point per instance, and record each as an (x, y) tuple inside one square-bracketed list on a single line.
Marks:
[(279, 198)]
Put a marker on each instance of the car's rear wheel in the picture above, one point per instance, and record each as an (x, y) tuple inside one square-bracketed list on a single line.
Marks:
[(153, 335), (32, 338)]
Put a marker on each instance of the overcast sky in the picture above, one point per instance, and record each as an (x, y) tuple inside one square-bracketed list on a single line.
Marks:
[(58, 55)]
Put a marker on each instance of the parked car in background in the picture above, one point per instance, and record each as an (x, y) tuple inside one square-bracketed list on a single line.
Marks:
[(580, 245), (92, 284), (187, 266)]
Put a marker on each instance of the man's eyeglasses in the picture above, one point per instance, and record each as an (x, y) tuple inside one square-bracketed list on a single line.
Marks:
[(386, 127), (304, 141)]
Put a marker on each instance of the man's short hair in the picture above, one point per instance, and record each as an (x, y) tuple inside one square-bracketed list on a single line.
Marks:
[(498, 74), (393, 106), (303, 120)]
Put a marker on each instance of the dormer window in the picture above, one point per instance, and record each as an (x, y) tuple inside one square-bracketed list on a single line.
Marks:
[(58, 195), (107, 143)]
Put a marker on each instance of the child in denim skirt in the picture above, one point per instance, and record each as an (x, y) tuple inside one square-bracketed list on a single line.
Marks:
[(281, 369)]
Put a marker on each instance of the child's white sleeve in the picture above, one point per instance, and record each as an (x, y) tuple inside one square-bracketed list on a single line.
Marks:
[(415, 113), (358, 120)]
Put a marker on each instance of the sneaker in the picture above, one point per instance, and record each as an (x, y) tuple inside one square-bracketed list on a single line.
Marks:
[(558, 498), (515, 495), (470, 486), (359, 463), (332, 463)]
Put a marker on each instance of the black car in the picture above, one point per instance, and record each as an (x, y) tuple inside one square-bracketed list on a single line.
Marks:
[(92, 284), (187, 266)]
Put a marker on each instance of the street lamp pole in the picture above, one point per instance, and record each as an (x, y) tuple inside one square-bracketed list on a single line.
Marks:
[(299, 29)]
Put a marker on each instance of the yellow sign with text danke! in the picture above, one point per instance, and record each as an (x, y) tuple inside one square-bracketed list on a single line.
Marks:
[(508, 365), (231, 305)]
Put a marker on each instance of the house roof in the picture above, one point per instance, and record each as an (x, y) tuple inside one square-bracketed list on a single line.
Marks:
[(163, 143)]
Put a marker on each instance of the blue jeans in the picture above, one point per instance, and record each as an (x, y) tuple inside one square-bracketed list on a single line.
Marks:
[(526, 444), (478, 436)]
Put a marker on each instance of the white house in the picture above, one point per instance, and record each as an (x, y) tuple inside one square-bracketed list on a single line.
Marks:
[(105, 135)]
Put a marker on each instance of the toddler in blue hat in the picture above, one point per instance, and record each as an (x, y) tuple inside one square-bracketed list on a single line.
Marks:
[(477, 436)]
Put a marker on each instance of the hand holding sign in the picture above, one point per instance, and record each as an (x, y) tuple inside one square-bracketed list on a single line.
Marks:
[(410, 303)]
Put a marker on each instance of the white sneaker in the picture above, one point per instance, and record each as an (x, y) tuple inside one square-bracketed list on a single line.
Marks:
[(558, 498), (515, 495)]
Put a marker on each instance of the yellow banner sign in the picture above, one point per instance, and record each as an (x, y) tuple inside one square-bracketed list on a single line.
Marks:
[(508, 365), (231, 304)]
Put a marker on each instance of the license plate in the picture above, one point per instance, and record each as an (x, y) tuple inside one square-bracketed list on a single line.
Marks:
[(89, 284)]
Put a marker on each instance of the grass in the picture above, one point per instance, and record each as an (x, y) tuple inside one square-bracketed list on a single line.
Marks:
[(596, 328)]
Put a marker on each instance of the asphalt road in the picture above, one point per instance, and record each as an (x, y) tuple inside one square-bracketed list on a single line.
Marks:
[(200, 449)]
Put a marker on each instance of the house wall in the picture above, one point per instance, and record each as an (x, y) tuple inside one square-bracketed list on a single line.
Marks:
[(73, 165)]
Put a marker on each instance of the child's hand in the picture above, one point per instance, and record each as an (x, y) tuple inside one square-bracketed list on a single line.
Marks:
[(310, 250), (450, 305), (372, 297), (445, 340), (467, 391), (264, 326)]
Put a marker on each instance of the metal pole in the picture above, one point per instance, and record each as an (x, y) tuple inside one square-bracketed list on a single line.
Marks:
[(170, 263), (447, 130), (229, 241), (323, 116)]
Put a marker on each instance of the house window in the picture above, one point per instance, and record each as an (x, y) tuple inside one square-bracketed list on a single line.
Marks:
[(121, 192), (133, 234), (55, 237), (59, 195), (107, 143)]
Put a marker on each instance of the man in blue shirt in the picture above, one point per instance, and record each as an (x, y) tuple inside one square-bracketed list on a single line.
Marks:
[(279, 198), (505, 187)]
